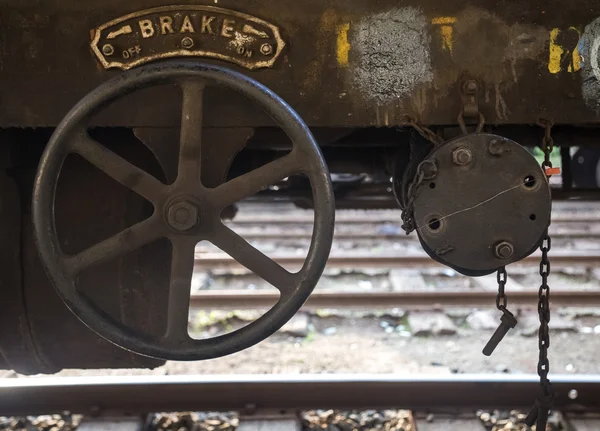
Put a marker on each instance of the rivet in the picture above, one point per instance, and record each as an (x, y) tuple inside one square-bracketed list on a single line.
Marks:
[(187, 42), (108, 49)]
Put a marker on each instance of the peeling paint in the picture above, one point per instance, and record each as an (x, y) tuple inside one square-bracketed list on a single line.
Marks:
[(390, 54), (589, 45)]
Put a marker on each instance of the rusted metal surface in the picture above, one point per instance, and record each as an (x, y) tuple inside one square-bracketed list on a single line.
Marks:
[(143, 394), (396, 260), (382, 61), (244, 299), (186, 212)]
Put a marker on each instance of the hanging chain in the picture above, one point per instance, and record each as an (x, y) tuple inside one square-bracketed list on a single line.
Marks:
[(426, 170), (544, 315), (501, 299), (507, 320), (425, 132), (547, 141), (539, 413)]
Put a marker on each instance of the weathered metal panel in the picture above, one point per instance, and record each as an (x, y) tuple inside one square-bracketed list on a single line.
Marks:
[(345, 63)]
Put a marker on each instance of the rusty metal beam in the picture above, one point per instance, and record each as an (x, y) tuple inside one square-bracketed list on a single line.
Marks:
[(144, 394), (398, 260), (359, 49), (245, 299)]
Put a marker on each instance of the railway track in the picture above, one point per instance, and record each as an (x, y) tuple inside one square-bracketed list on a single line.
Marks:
[(430, 300), (144, 394), (379, 217), (560, 258), (385, 232)]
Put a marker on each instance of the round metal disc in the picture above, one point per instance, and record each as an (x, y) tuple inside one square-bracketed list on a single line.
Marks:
[(489, 204)]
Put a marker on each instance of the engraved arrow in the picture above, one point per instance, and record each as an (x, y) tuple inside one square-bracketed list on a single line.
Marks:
[(248, 29), (126, 29)]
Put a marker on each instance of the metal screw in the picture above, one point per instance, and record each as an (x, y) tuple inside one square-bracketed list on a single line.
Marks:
[(504, 250), (182, 216), (573, 394), (462, 157), (266, 49), (187, 43), (108, 49), (471, 86)]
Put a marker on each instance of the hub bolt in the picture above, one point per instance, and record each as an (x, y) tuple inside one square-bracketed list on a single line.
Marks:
[(504, 250), (462, 156), (266, 49), (182, 216)]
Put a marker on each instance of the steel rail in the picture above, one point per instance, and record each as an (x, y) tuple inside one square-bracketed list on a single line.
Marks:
[(146, 394), (249, 234), (214, 261), (386, 217), (429, 300)]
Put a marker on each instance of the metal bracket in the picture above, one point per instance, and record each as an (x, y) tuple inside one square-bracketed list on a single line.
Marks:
[(469, 92), (470, 106)]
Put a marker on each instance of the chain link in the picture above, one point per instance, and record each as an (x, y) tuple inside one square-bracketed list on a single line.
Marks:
[(544, 316), (501, 299), (547, 145), (427, 169), (539, 413), (423, 173), (426, 133), (463, 127)]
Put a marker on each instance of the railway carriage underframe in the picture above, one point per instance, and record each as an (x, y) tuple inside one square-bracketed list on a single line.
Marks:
[(433, 108)]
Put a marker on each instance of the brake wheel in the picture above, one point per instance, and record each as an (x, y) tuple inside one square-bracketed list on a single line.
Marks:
[(185, 212)]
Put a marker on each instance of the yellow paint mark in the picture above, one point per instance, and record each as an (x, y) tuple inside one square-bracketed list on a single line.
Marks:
[(557, 52), (576, 56), (443, 20), (343, 46), (446, 30)]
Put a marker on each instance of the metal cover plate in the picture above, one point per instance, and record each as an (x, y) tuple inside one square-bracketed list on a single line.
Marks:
[(187, 31), (482, 204)]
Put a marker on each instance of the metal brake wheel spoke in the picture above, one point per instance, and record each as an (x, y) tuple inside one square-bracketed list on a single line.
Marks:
[(190, 138), (254, 181), (115, 166), (117, 245), (253, 259), (185, 212), (182, 270)]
